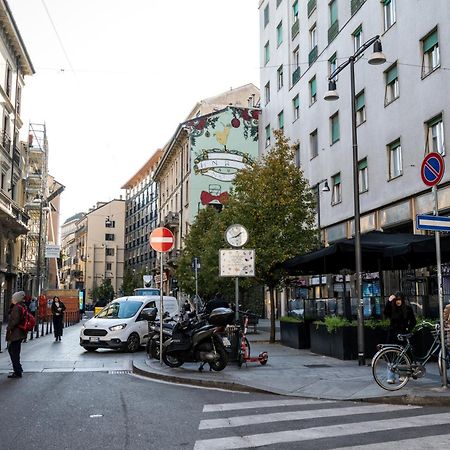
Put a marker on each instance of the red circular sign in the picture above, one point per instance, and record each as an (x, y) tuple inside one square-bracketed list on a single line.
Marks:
[(161, 239), (432, 169)]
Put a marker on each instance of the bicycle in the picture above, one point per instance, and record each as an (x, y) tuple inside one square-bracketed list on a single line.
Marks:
[(394, 365)]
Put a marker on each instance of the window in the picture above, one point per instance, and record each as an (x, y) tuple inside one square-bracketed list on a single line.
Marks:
[(435, 135), (280, 77), (281, 120), (268, 135), (19, 99), (109, 237), (297, 155), (267, 92), (334, 125), (392, 90), (295, 10), (431, 58), (296, 107), (337, 189), (332, 65), (110, 223), (266, 15), (313, 37), (333, 12), (314, 143), (109, 252), (363, 177), (109, 266), (266, 53), (357, 38), (312, 91), (3, 181), (395, 159), (279, 34), (360, 108), (389, 13), (8, 81), (296, 65)]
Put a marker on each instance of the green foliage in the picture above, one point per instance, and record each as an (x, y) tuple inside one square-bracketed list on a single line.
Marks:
[(290, 319), (131, 281), (424, 324), (334, 322), (103, 292), (377, 324)]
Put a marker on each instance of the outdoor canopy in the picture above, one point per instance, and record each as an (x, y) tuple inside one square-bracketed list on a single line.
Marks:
[(379, 251)]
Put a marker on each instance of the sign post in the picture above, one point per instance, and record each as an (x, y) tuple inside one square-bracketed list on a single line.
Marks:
[(162, 241), (196, 267), (432, 171)]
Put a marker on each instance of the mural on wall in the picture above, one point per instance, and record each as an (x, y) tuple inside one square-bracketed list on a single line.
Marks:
[(221, 144)]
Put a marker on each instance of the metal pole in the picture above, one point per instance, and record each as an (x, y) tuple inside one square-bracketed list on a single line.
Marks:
[(358, 268), (161, 310), (236, 296), (196, 284), (440, 293)]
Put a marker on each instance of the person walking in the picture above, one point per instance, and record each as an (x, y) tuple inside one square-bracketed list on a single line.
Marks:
[(14, 334), (58, 309), (402, 321)]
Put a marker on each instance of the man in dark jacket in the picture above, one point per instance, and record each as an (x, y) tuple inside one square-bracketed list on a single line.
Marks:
[(14, 334), (217, 302)]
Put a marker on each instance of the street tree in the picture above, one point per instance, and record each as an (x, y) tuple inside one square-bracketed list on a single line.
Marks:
[(274, 201), (104, 292)]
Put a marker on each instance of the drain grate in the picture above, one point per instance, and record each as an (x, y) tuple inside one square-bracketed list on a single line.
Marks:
[(120, 372), (316, 366)]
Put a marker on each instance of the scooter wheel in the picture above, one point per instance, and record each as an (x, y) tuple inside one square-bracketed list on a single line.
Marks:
[(221, 362), (263, 358), (172, 360)]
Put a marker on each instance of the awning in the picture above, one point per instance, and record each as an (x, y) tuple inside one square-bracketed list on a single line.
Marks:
[(379, 251)]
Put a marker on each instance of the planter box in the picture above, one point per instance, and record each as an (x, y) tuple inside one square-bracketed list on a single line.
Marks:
[(295, 334), (343, 343)]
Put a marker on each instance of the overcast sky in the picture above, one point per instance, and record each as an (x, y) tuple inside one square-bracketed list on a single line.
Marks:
[(115, 78)]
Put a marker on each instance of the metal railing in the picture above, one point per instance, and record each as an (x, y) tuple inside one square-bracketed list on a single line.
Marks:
[(44, 324), (295, 76), (295, 29), (313, 54), (311, 6), (355, 5), (333, 31)]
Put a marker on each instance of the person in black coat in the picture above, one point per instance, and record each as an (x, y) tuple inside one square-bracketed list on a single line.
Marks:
[(217, 302), (401, 316), (58, 309)]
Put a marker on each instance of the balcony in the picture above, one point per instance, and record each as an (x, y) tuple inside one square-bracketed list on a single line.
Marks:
[(13, 219), (311, 6), (172, 257), (295, 76), (295, 29), (16, 157), (5, 142), (333, 31), (355, 5), (313, 54), (172, 220)]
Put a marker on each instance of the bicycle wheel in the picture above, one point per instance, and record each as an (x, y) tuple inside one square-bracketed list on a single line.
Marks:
[(385, 366), (447, 360)]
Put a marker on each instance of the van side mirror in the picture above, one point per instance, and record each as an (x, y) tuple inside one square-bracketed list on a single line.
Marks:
[(148, 314)]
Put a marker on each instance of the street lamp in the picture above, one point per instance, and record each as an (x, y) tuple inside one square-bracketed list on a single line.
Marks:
[(376, 58), (325, 188)]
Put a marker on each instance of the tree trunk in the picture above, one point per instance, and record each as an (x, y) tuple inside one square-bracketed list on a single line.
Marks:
[(272, 314)]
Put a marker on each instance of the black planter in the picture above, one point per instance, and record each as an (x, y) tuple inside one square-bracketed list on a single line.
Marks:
[(295, 334), (340, 344), (373, 337)]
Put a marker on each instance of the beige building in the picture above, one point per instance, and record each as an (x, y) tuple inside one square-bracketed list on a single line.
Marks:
[(100, 244)]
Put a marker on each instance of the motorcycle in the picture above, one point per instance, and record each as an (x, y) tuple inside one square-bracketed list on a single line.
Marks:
[(198, 342)]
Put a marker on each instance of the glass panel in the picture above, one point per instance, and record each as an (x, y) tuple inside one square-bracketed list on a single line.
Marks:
[(295, 8), (430, 41), (391, 74), (333, 12), (296, 102), (362, 164), (313, 87), (360, 101)]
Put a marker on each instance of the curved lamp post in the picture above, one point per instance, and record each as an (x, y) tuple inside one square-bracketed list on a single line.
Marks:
[(376, 58)]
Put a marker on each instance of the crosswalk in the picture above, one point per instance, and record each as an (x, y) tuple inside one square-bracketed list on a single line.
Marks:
[(307, 423)]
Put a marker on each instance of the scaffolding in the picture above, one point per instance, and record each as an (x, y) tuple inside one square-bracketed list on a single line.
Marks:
[(36, 194)]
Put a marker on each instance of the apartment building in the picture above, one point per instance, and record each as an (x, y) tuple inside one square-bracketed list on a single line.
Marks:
[(402, 111), (141, 216)]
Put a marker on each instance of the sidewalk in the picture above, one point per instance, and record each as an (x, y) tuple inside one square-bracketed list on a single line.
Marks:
[(301, 373)]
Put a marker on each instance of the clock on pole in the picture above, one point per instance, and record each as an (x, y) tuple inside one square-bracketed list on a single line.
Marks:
[(236, 235)]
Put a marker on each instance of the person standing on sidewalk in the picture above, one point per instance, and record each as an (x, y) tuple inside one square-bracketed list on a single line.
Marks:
[(14, 334), (58, 309)]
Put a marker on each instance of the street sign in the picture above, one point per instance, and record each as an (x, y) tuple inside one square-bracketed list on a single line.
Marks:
[(52, 251), (432, 169), (161, 239), (237, 263), (196, 263), (435, 223)]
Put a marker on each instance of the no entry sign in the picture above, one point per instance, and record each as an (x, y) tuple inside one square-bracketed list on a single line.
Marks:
[(161, 239), (432, 169)]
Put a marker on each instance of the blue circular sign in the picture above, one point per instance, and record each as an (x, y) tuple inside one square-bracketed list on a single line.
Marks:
[(432, 169)]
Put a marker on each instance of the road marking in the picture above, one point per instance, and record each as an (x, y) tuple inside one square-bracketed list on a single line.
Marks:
[(240, 421), (262, 404), (306, 434), (437, 442)]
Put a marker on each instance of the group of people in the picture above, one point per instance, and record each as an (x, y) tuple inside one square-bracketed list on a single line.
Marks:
[(15, 335)]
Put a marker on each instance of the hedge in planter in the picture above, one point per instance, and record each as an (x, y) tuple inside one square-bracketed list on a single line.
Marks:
[(294, 332)]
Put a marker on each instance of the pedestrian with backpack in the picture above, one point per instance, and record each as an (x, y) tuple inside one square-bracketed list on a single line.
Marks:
[(14, 333), (58, 309)]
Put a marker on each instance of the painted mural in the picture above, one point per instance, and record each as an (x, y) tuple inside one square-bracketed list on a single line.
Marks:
[(221, 144)]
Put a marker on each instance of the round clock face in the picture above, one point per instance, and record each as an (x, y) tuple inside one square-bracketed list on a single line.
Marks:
[(236, 235)]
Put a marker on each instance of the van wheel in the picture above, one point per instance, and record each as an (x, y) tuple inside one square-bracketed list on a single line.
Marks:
[(90, 349), (133, 343)]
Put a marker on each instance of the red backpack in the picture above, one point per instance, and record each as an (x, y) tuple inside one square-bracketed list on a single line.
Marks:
[(28, 321)]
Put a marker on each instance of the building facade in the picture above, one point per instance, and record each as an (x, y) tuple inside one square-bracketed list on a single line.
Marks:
[(141, 217), (15, 65), (401, 114)]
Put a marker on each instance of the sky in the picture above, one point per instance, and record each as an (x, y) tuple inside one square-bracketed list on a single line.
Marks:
[(115, 78)]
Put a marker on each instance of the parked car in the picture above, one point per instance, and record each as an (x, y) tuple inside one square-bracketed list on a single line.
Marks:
[(120, 325)]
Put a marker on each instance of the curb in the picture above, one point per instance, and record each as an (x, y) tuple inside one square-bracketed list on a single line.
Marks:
[(408, 399)]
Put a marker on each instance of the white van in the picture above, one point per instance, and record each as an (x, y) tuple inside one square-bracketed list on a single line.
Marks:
[(120, 326)]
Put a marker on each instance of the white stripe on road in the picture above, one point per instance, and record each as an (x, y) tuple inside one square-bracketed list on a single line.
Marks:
[(435, 442), (306, 434), (240, 421), (262, 404)]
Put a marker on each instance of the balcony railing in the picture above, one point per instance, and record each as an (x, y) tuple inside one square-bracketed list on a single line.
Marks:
[(6, 141), (172, 219), (313, 55), (295, 76), (16, 157), (295, 29), (355, 5), (333, 31), (311, 6)]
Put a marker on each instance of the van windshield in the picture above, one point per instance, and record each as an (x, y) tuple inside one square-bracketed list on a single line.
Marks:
[(146, 291), (120, 310)]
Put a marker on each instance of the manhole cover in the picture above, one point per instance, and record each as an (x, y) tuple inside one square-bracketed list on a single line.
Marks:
[(119, 372), (316, 366)]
